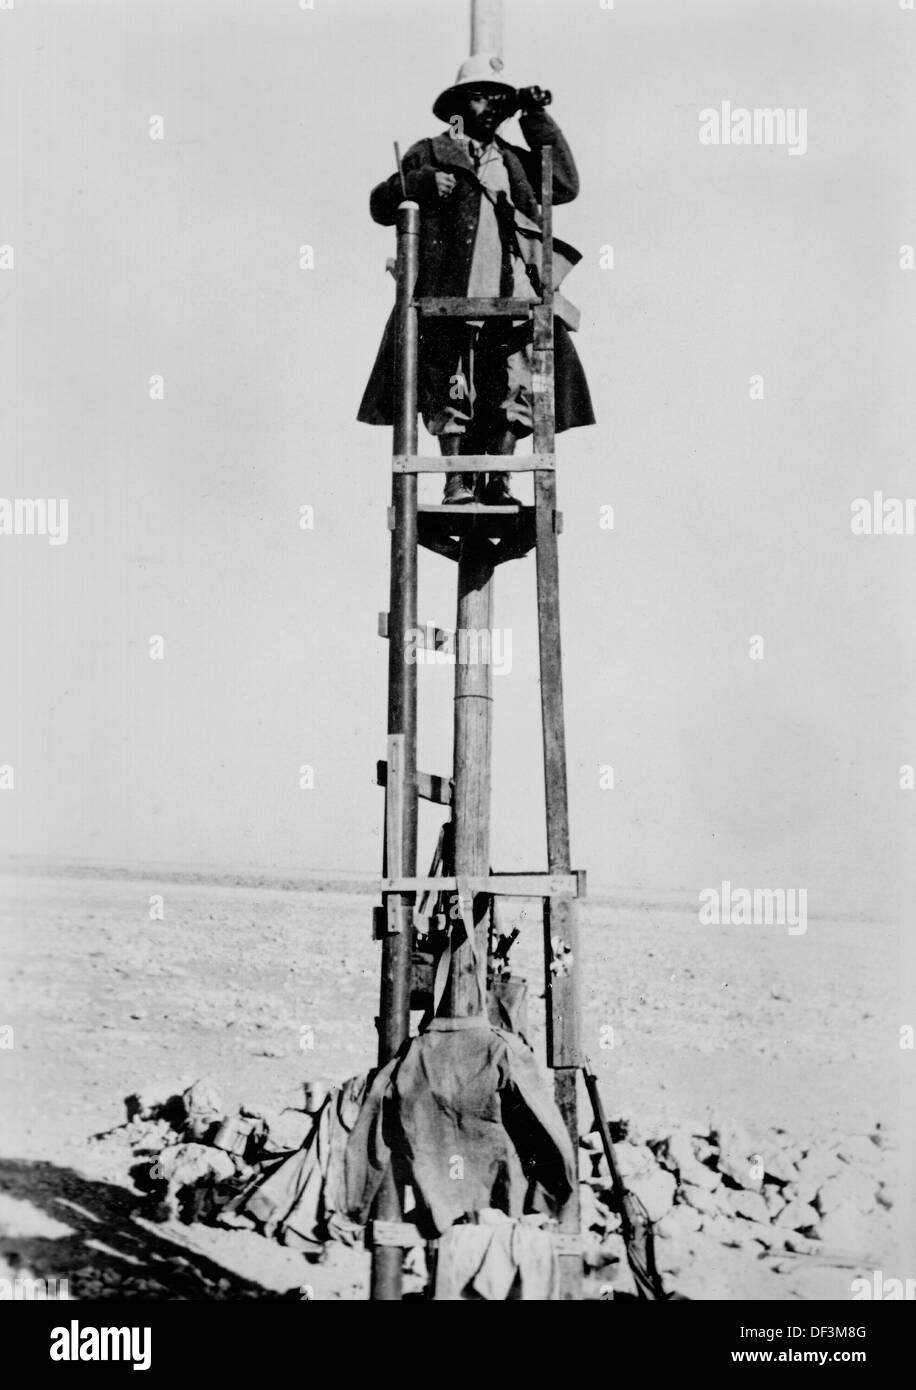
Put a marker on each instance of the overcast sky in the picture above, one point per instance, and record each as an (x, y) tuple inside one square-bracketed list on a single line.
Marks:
[(136, 257)]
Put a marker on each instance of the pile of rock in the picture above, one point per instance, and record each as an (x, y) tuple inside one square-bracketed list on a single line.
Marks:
[(707, 1186), (766, 1196), (188, 1152)]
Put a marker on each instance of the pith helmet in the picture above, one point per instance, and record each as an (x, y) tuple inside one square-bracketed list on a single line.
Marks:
[(480, 70)]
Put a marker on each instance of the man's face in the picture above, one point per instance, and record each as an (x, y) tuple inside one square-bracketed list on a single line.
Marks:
[(483, 112)]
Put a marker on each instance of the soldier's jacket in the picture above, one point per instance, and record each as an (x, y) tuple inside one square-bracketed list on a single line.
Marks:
[(448, 227), (467, 1117)]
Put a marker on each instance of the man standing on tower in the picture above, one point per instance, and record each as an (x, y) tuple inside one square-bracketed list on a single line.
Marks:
[(479, 237)]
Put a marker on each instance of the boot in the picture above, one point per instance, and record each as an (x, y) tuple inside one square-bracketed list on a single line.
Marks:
[(459, 487), (497, 493)]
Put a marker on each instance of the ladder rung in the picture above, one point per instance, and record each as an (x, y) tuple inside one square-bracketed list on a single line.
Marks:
[(535, 885), (447, 306), (469, 509), (567, 1242), (401, 1234), (429, 786), (473, 463), (393, 1233), (428, 637)]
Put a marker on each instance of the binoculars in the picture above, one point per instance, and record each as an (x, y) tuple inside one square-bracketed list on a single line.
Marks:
[(528, 99), (533, 99)]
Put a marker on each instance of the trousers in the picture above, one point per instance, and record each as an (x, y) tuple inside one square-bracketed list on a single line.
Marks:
[(475, 378)]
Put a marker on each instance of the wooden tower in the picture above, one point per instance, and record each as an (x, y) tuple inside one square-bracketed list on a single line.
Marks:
[(478, 538)]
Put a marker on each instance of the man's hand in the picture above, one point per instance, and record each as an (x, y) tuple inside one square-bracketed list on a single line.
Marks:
[(534, 99), (445, 184)]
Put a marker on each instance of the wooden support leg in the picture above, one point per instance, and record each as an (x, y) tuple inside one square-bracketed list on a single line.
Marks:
[(401, 793), (561, 945)]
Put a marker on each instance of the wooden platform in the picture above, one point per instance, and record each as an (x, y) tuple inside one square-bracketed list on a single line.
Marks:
[(443, 528)]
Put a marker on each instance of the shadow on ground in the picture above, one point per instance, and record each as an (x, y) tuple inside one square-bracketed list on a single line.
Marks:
[(105, 1251)]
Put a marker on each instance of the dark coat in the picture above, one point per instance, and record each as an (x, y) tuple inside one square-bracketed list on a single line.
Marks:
[(448, 228)]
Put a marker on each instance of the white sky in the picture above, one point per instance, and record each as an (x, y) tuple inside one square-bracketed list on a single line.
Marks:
[(180, 257)]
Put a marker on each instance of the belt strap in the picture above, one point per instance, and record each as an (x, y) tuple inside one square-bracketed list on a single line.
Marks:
[(465, 898)]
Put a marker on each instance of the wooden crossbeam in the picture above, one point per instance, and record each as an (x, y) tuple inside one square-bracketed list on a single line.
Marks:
[(530, 885), (467, 509), (397, 1233), (404, 1235), (429, 786), (567, 1242), (472, 463), (441, 637), (448, 306)]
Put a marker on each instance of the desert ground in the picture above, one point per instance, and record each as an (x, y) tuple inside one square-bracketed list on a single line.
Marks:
[(260, 982)]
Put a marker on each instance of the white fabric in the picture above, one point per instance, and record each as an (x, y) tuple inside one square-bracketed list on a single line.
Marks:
[(486, 262)]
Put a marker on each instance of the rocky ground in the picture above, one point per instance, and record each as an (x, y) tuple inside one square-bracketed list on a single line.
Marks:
[(753, 1081)]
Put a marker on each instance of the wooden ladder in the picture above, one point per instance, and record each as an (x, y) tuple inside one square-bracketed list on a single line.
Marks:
[(510, 533)]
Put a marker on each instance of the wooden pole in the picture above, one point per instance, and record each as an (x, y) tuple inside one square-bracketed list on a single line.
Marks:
[(473, 690), (471, 798), (401, 781), (487, 26)]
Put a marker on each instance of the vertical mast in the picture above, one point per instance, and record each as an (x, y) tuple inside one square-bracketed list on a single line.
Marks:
[(487, 26), (466, 992)]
